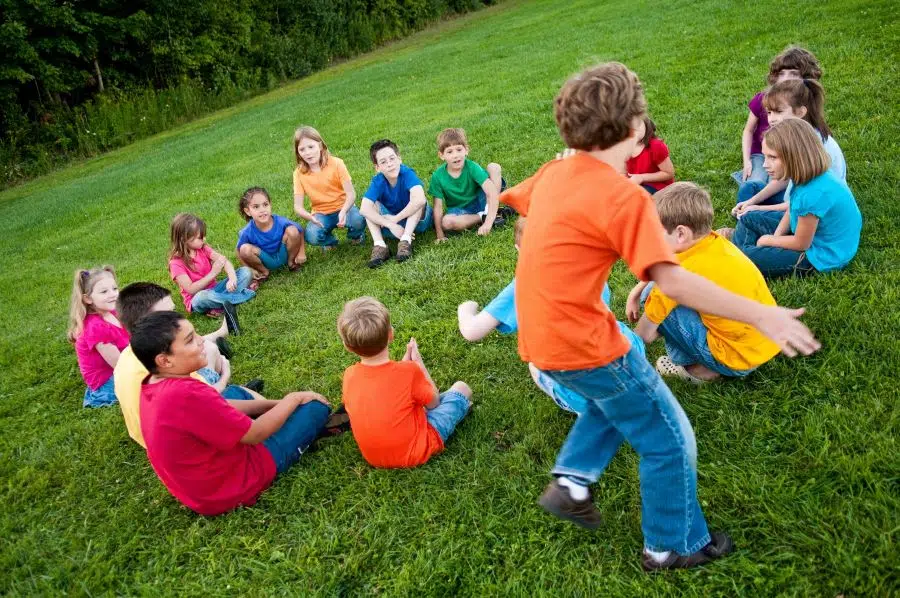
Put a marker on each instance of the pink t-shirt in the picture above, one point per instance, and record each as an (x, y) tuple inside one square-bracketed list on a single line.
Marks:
[(193, 441), (94, 368), (202, 264)]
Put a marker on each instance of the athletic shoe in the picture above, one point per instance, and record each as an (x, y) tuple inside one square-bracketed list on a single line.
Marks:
[(224, 347), (404, 251), (720, 545), (557, 501), (379, 256), (256, 385), (231, 319)]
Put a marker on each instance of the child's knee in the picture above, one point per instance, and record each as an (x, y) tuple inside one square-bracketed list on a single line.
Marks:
[(462, 388), (494, 170), (247, 251), (448, 223), (291, 234)]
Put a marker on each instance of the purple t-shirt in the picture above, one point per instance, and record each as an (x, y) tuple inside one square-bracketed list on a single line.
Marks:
[(759, 111)]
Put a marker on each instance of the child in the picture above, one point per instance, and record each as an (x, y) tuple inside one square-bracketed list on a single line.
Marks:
[(325, 180), (651, 167), (394, 204), (500, 314), (136, 301), (797, 98), (820, 230), (95, 331), (701, 346), (269, 241), (792, 63), (583, 216), (398, 417), (465, 189), (208, 453), (194, 266)]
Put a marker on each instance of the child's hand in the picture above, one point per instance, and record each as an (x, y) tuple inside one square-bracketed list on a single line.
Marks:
[(318, 220), (342, 218), (747, 171), (633, 305), (224, 369), (231, 285), (485, 228), (302, 398), (441, 239), (218, 265), (396, 230), (765, 241), (783, 326), (636, 178)]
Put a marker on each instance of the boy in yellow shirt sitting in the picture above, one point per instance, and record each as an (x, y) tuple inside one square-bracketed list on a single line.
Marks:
[(701, 347)]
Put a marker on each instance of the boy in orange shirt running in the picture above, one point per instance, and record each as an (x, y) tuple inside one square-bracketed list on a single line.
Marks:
[(397, 415), (583, 216)]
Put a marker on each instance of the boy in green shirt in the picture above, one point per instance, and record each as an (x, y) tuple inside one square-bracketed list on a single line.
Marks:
[(465, 194)]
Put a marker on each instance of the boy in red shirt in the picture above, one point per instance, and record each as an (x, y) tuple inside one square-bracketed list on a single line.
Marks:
[(583, 216), (397, 415), (210, 455)]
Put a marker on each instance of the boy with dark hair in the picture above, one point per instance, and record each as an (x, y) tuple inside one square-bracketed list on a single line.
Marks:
[(210, 454), (394, 205), (583, 216)]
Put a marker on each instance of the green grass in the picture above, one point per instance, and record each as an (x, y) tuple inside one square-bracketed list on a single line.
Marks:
[(799, 462)]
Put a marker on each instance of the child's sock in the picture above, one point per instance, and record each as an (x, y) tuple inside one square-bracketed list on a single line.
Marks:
[(576, 491), (407, 238), (380, 244), (657, 556)]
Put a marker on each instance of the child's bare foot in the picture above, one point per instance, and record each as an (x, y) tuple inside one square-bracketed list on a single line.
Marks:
[(726, 232), (298, 262), (699, 370)]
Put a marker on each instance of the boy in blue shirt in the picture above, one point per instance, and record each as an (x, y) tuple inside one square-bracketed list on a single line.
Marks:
[(394, 205)]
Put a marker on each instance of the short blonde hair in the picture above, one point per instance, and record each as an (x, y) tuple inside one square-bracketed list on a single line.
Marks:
[(799, 146), (685, 204), (364, 326), (449, 137), (596, 108)]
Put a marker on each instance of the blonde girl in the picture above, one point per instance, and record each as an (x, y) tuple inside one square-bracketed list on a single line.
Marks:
[(96, 332)]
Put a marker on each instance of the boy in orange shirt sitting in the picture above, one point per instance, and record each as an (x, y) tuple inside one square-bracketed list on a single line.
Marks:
[(397, 415), (700, 346), (583, 216)]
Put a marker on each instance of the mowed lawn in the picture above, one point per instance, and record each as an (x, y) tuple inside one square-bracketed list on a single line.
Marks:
[(799, 462)]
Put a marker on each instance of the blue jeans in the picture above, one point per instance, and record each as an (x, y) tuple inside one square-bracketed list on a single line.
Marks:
[(627, 400), (758, 179), (102, 397), (771, 261), (448, 414), (323, 234), (232, 391), (208, 299), (296, 434), (686, 342), (426, 222)]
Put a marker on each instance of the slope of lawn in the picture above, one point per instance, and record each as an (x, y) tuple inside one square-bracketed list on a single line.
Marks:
[(799, 462)]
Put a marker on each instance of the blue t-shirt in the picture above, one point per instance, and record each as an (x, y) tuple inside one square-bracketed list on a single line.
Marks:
[(838, 164), (269, 241), (503, 309), (396, 198), (830, 200)]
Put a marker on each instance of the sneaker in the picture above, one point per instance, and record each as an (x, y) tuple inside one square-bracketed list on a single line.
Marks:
[(557, 501), (499, 221), (379, 256), (720, 545), (231, 319), (256, 385), (404, 251), (337, 423), (506, 211), (224, 347)]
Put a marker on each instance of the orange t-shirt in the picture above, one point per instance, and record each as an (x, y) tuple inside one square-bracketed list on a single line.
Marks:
[(324, 188), (582, 217), (386, 405)]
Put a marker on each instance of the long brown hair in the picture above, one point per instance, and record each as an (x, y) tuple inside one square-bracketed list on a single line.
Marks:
[(800, 149), (184, 228), (82, 285), (801, 93), (309, 133)]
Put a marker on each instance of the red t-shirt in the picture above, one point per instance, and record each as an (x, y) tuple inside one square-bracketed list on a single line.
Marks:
[(202, 265), (386, 405), (193, 441), (648, 161), (582, 217)]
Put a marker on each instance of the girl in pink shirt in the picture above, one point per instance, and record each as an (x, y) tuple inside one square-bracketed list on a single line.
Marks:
[(96, 332)]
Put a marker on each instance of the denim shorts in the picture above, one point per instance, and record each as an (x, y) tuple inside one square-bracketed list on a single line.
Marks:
[(445, 417), (274, 261), (102, 397)]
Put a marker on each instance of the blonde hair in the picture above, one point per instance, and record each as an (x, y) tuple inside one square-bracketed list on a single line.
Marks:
[(83, 285), (799, 146), (449, 137), (365, 326), (184, 228), (309, 133), (685, 204)]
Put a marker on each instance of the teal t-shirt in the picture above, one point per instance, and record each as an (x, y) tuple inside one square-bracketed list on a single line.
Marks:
[(830, 200), (457, 192)]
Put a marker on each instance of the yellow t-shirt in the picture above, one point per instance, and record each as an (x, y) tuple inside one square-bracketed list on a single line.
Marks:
[(736, 345), (324, 188), (127, 377)]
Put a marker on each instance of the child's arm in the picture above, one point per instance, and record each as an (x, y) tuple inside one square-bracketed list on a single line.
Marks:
[(224, 370), (633, 303), (371, 213), (666, 173), (412, 354), (799, 241), (778, 323), (300, 210), (490, 193), (272, 420), (253, 407), (747, 142), (192, 288), (772, 188), (231, 285), (417, 201), (475, 325), (438, 217), (351, 199), (109, 352), (778, 207), (647, 330)]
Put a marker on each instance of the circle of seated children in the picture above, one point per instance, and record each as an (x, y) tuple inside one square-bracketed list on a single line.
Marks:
[(705, 296)]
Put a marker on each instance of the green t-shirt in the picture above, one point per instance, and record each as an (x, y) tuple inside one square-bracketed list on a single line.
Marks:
[(457, 192)]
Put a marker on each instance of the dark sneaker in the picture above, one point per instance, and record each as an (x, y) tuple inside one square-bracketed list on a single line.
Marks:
[(379, 256), (404, 251), (337, 423), (499, 221), (231, 319), (256, 385), (720, 545), (224, 347), (506, 211), (557, 501)]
